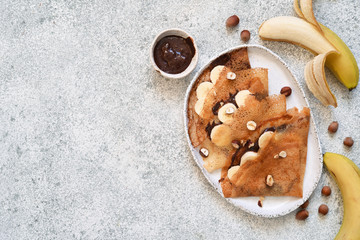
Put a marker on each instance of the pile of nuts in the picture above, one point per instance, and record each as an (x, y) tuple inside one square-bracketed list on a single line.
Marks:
[(323, 209), (233, 21), (333, 127), (326, 190)]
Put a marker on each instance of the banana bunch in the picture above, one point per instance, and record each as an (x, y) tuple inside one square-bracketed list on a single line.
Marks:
[(320, 40), (347, 176)]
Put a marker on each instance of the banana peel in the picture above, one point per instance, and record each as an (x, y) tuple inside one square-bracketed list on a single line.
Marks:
[(344, 65), (316, 80), (297, 9), (308, 13), (347, 176)]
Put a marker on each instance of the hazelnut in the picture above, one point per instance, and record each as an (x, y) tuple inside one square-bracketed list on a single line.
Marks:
[(235, 144), (282, 154), (251, 125), (348, 141), (231, 76), (326, 191), (302, 215), (305, 204), (269, 180), (333, 127), (260, 202), (323, 209), (204, 152), (232, 21), (229, 110), (286, 91), (245, 35)]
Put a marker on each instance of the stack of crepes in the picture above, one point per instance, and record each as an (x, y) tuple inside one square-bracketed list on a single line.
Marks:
[(258, 144)]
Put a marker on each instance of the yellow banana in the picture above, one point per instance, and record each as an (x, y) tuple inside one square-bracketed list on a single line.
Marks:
[(300, 32), (310, 34), (347, 177), (343, 65)]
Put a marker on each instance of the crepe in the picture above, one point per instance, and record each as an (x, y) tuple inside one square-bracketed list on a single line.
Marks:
[(237, 60), (229, 117), (261, 110), (255, 80), (290, 136)]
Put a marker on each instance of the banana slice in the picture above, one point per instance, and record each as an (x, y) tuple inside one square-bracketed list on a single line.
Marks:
[(226, 113), (221, 135), (241, 97), (248, 156), (215, 73), (203, 89), (265, 139), (232, 171), (199, 106)]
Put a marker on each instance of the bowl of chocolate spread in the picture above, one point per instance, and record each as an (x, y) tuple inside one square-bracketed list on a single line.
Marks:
[(173, 53)]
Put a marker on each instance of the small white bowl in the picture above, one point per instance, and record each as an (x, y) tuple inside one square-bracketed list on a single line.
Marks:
[(180, 33)]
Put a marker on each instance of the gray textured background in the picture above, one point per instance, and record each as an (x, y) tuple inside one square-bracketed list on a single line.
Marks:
[(92, 144)]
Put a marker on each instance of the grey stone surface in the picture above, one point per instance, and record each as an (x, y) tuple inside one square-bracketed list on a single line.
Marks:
[(92, 144)]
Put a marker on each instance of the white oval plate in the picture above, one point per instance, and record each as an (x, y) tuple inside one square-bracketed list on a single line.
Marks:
[(279, 76)]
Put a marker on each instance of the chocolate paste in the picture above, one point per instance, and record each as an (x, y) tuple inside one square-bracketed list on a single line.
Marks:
[(236, 157), (173, 54)]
